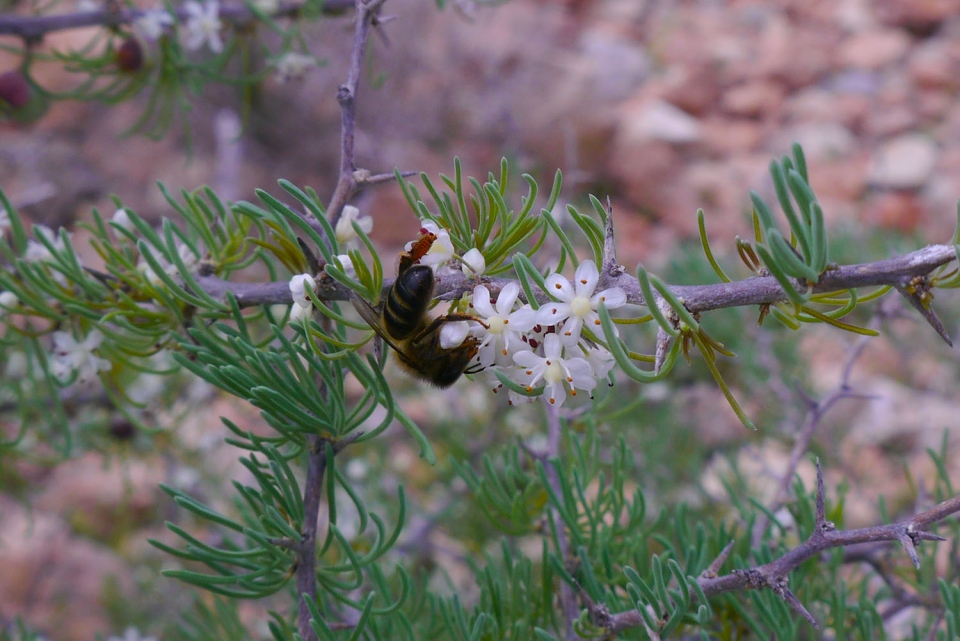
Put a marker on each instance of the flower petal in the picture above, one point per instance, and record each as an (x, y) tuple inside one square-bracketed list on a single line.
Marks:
[(559, 287), (586, 278)]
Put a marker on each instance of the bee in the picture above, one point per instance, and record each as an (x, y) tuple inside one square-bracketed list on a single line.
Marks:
[(404, 322)]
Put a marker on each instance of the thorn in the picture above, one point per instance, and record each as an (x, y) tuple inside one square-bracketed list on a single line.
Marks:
[(663, 346), (927, 312), (929, 536), (821, 517), (784, 593), (610, 265), (906, 540), (713, 569)]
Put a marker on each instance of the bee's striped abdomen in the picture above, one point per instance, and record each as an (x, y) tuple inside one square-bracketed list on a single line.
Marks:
[(408, 301)]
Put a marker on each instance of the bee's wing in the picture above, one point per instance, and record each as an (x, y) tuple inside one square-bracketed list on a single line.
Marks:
[(371, 315)]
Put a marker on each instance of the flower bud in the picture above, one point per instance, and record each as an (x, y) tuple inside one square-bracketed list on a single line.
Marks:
[(14, 89), (129, 55), (19, 98)]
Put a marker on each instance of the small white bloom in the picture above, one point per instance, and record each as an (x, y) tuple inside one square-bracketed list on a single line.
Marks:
[(454, 333), (202, 26), (347, 264), (345, 231), (70, 356), (356, 470), (299, 286), (152, 24), (505, 327), (190, 260), (442, 248), (474, 264), (122, 218), (294, 66), (4, 219), (37, 252), (268, 7), (601, 361), (132, 634), (577, 303), (555, 371), (8, 302)]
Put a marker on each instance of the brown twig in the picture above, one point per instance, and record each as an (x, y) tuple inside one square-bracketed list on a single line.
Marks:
[(452, 284), (350, 178), (815, 413), (773, 575)]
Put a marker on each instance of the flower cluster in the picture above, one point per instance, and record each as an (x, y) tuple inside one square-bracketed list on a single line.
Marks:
[(547, 348)]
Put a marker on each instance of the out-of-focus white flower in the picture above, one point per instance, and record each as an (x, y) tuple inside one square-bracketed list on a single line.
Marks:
[(442, 248), (4, 219), (202, 26), (152, 24), (474, 264), (577, 303), (190, 260), (70, 356), (345, 231), (268, 7), (601, 361), (132, 634), (37, 252), (356, 470), (122, 218), (505, 327), (556, 372), (294, 66), (8, 302), (347, 263), (85, 6)]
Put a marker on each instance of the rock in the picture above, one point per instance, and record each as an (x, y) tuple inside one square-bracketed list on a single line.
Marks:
[(900, 210), (904, 162), (659, 120), (617, 65), (820, 140), (874, 49), (935, 63), (723, 136), (754, 99), (920, 17)]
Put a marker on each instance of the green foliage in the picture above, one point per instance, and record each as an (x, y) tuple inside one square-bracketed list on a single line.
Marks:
[(562, 520)]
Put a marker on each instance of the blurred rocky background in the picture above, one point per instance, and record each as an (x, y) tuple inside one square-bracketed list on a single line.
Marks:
[(664, 106)]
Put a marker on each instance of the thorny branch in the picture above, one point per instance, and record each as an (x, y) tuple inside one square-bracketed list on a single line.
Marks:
[(347, 182), (759, 290), (815, 412), (773, 575)]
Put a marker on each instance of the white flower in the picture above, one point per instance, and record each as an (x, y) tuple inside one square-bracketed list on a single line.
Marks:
[(294, 66), (345, 231), (578, 303), (4, 219), (151, 24), (8, 301), (122, 218), (132, 634), (454, 333), (503, 334), (299, 285), (474, 264), (356, 470), (347, 263), (37, 252), (202, 26), (554, 371), (69, 356), (442, 248), (190, 260), (268, 7), (601, 361)]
